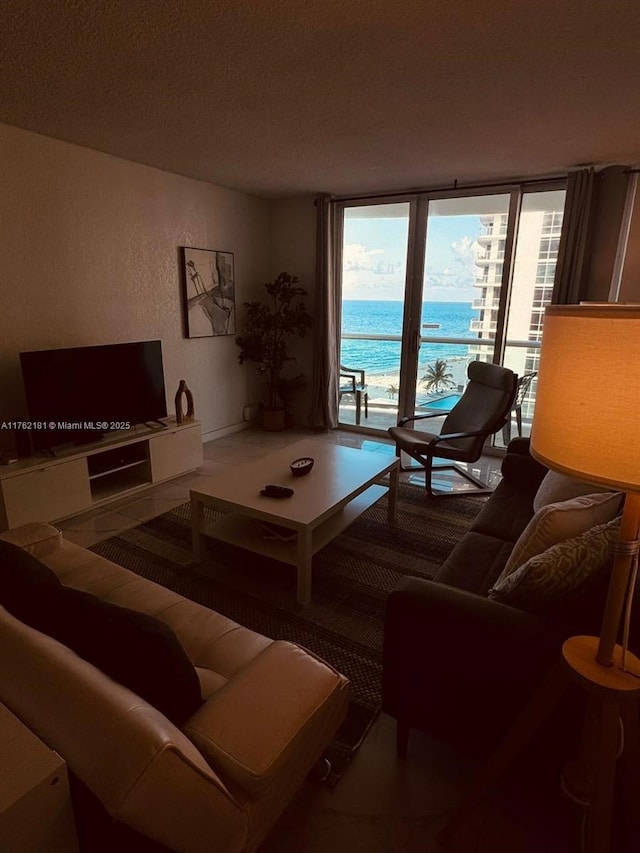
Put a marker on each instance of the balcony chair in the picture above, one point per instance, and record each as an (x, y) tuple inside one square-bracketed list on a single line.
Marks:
[(481, 411), (352, 381), (524, 383)]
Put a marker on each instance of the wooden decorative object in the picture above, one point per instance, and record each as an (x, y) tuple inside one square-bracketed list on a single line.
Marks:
[(183, 393)]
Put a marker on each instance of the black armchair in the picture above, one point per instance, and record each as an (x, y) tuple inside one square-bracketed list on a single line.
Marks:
[(481, 411)]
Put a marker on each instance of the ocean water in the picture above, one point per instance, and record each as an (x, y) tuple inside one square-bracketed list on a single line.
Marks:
[(385, 318)]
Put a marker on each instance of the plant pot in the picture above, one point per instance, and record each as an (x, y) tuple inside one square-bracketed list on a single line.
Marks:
[(273, 420)]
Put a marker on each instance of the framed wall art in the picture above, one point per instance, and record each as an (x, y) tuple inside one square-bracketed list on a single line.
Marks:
[(208, 283)]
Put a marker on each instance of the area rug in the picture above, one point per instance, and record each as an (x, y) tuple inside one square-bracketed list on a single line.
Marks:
[(351, 580)]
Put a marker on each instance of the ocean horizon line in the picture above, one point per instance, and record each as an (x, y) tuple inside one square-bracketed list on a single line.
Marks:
[(385, 317), (424, 301)]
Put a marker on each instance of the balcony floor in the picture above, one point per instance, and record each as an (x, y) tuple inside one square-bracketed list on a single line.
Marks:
[(383, 415)]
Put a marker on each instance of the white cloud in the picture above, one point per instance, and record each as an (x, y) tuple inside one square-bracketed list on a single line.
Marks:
[(370, 273), (454, 279), (355, 256), (375, 273), (466, 248)]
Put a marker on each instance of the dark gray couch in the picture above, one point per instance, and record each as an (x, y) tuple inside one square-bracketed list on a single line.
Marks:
[(459, 665)]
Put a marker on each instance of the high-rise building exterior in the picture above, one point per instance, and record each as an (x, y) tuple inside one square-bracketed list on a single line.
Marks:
[(531, 288)]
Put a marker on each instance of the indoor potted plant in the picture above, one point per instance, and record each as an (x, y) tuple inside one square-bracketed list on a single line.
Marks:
[(267, 328)]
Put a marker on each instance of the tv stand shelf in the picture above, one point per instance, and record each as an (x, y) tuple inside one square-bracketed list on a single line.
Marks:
[(117, 470), (50, 489)]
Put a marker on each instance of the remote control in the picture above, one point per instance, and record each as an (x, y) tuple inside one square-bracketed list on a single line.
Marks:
[(272, 491)]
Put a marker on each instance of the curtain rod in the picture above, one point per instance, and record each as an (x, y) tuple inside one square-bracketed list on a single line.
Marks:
[(448, 187)]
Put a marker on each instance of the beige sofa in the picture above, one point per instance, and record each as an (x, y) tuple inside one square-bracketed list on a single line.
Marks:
[(221, 782)]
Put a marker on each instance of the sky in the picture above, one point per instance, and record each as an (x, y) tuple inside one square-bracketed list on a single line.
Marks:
[(374, 258)]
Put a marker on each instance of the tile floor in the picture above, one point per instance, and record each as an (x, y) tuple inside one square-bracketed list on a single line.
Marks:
[(382, 804), (91, 527)]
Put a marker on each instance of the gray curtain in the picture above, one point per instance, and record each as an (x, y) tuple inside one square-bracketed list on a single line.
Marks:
[(326, 347), (572, 268)]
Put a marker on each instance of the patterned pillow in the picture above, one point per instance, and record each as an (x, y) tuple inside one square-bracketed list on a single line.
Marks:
[(556, 522), (547, 578)]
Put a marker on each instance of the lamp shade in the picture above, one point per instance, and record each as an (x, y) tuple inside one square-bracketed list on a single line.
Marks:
[(587, 416)]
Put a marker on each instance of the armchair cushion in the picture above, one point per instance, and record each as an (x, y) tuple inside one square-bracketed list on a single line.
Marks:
[(418, 441), (475, 563), (479, 558)]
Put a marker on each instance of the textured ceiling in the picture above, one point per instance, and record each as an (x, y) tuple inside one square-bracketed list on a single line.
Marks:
[(283, 97)]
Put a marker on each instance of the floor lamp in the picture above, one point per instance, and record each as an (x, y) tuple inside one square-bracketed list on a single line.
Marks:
[(587, 425)]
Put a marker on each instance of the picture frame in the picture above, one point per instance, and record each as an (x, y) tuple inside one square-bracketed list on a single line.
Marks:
[(208, 290)]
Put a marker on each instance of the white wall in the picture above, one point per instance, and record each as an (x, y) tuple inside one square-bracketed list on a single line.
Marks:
[(89, 255)]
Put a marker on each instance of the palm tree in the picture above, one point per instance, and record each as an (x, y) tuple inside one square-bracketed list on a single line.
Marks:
[(392, 391), (437, 377)]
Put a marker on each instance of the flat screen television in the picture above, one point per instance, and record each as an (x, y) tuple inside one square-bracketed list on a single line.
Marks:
[(80, 393)]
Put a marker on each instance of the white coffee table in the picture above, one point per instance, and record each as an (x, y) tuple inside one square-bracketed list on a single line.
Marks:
[(344, 483)]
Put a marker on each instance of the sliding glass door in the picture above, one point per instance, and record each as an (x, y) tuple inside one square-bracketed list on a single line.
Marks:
[(432, 282), (448, 315), (374, 282)]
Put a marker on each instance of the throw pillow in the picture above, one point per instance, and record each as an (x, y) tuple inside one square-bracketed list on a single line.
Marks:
[(22, 580), (546, 579), (557, 487), (133, 648), (559, 521)]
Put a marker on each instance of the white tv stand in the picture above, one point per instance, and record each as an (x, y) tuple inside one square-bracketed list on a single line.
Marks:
[(48, 488)]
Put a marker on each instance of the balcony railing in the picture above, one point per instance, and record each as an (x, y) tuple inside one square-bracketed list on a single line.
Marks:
[(484, 326), (383, 401), (428, 339), (488, 282)]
